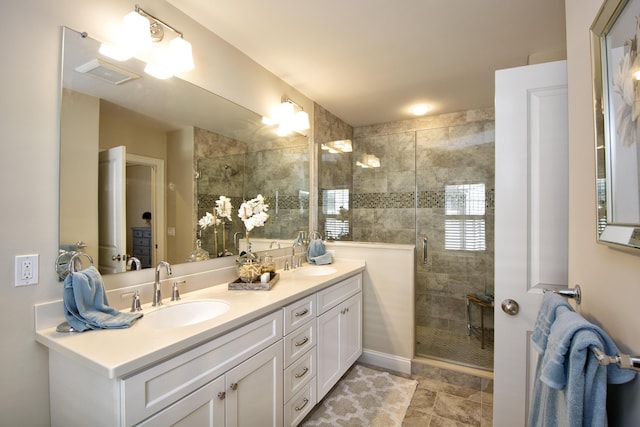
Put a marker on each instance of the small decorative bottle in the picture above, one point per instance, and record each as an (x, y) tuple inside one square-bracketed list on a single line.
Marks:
[(268, 266)]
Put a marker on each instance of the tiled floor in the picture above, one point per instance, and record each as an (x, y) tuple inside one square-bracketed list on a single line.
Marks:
[(447, 398), (463, 349)]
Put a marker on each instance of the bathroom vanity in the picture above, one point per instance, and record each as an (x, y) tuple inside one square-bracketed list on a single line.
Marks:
[(266, 360)]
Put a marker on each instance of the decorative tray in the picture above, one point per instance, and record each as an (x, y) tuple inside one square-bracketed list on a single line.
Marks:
[(254, 286)]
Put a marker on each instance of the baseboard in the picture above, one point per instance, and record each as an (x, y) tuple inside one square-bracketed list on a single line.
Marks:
[(386, 361)]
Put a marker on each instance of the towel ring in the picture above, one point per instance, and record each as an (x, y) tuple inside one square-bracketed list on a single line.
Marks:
[(76, 257), (315, 236)]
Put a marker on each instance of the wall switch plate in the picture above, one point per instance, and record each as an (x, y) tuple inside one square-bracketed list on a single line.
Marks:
[(26, 270)]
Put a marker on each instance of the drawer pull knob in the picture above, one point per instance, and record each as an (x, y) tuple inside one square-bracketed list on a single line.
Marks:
[(234, 386), (303, 342), (303, 373), (302, 313), (222, 395), (304, 403)]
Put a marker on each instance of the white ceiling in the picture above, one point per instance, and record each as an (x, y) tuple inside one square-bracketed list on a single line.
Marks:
[(367, 61)]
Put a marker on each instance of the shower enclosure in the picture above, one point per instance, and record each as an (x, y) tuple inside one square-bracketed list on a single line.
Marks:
[(427, 182)]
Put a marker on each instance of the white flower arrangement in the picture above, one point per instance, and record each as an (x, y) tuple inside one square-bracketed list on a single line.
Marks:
[(208, 220), (223, 210), (254, 212)]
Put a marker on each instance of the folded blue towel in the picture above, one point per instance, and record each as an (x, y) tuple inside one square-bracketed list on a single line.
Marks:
[(321, 259), (552, 305), (571, 386), (86, 305), (316, 248)]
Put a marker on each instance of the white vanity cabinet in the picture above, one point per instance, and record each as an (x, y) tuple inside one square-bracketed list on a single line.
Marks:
[(299, 359), (220, 382), (248, 395), (339, 325)]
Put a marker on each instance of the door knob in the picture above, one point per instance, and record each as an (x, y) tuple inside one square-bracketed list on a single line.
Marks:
[(116, 257), (510, 307)]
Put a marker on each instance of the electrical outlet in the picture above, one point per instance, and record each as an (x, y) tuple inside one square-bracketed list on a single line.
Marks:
[(26, 270)]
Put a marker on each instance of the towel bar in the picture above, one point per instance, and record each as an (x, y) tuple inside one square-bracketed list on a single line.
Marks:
[(574, 293), (624, 361)]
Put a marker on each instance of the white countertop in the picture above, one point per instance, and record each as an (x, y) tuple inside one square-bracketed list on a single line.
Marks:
[(120, 352)]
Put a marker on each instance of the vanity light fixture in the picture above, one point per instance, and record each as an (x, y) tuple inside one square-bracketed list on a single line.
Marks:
[(290, 117), (141, 35), (369, 161), (338, 147)]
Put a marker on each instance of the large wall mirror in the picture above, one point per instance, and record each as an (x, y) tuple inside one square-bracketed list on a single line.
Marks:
[(616, 72), (142, 159)]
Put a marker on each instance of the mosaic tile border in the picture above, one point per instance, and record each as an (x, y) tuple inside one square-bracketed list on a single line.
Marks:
[(401, 200)]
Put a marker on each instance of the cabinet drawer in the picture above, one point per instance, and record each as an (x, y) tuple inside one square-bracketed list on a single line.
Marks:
[(298, 313), (299, 342), (300, 405), (299, 373), (334, 295), (151, 390), (142, 232), (139, 241)]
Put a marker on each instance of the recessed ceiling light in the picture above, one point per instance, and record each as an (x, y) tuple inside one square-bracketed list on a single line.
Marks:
[(420, 109)]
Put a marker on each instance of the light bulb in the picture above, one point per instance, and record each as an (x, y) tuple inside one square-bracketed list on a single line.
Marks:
[(158, 71), (301, 120), (136, 31), (181, 55)]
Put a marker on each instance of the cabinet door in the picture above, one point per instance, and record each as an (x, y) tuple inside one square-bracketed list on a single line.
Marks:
[(339, 342), (328, 348), (351, 331), (204, 407), (254, 390)]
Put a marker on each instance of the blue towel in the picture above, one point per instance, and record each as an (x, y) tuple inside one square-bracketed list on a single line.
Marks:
[(86, 306), (571, 386), (321, 259), (316, 248), (552, 305)]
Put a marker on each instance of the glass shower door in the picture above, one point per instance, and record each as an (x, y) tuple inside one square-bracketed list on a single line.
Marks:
[(454, 237)]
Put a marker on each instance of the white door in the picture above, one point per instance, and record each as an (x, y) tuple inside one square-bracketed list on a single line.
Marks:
[(112, 225), (531, 220)]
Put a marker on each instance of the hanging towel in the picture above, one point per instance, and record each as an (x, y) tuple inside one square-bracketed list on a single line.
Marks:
[(316, 248), (570, 388), (86, 306), (552, 305)]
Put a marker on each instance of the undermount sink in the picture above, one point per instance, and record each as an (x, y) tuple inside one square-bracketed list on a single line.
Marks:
[(316, 270), (184, 313)]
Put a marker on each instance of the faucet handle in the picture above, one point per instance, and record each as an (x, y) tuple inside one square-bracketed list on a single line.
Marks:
[(176, 292), (135, 304)]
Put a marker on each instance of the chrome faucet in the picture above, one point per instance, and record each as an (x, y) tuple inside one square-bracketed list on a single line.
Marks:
[(293, 254), (157, 297)]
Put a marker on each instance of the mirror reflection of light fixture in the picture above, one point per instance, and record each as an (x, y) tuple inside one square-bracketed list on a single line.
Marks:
[(290, 117), (141, 35), (338, 147), (369, 161)]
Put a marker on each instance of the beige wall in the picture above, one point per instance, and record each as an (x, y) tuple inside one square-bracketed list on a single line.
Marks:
[(609, 278), (30, 31)]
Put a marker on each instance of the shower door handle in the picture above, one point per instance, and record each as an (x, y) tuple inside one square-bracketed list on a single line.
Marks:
[(424, 250)]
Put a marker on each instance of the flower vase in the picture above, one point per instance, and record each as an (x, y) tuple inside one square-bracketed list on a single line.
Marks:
[(249, 267)]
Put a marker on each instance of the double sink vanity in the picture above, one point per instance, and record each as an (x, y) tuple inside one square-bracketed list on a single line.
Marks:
[(215, 357)]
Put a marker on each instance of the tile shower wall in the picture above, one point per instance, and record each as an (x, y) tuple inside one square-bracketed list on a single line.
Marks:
[(403, 200), (278, 171)]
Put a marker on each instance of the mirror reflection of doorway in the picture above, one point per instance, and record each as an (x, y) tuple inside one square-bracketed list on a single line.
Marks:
[(125, 229)]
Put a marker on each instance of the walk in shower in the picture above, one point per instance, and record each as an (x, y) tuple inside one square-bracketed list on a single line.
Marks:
[(427, 182)]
